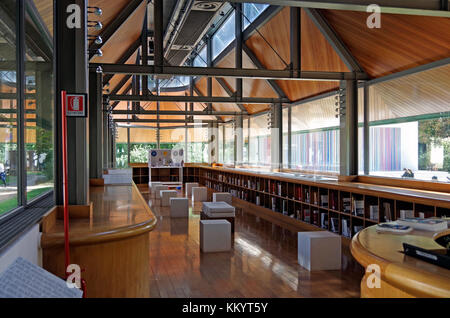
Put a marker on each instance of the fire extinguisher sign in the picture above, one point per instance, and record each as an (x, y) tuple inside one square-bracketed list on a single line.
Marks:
[(76, 105)]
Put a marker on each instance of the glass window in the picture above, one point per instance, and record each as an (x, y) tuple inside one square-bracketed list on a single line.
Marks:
[(122, 147), (141, 140), (260, 136), (8, 110), (228, 156), (221, 143), (285, 137), (223, 36), (172, 138), (39, 108), (198, 145), (252, 11), (410, 126), (245, 152), (201, 59), (315, 136)]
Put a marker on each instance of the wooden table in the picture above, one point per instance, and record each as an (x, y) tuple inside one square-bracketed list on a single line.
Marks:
[(112, 244), (401, 275)]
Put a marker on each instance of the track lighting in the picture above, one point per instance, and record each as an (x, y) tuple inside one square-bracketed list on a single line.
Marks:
[(99, 53), (95, 24), (95, 10), (97, 39), (99, 70)]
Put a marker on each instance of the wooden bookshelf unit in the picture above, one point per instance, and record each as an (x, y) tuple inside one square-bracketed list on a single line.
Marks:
[(344, 208), (143, 175)]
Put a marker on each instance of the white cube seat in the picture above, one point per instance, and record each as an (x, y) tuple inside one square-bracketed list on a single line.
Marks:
[(199, 194), (319, 250), (166, 195), (223, 197), (218, 209), (157, 190), (215, 236), (153, 184), (188, 187), (179, 207)]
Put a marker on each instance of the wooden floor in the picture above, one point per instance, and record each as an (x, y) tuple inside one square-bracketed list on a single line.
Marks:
[(262, 263)]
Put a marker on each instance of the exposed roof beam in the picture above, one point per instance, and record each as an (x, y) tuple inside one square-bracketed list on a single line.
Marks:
[(230, 93), (176, 113), (127, 89), (197, 99), (125, 120), (276, 88), (334, 40), (115, 25), (437, 8), (261, 20), (124, 58), (226, 72)]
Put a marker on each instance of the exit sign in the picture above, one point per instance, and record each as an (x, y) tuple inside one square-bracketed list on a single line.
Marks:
[(76, 105)]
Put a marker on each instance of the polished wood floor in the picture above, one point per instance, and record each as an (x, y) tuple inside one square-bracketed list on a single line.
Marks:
[(262, 263)]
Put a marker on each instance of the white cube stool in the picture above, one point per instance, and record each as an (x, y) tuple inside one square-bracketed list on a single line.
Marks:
[(215, 236), (166, 195), (153, 184), (199, 194), (222, 197), (152, 187), (158, 189), (319, 250), (218, 209), (189, 187), (179, 207)]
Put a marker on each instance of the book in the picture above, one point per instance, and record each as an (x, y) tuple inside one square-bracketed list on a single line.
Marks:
[(393, 227), (346, 227), (274, 204), (346, 204), (285, 207), (334, 225), (324, 220), (358, 207), (434, 225), (387, 212), (373, 212), (307, 215), (324, 201), (406, 214), (316, 217)]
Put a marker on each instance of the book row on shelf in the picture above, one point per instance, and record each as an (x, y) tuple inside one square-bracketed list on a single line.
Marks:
[(338, 210)]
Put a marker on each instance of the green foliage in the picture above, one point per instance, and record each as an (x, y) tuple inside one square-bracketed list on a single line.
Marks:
[(44, 146), (434, 132)]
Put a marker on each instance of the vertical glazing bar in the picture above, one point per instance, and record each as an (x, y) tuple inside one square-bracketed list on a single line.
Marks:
[(20, 77), (366, 131)]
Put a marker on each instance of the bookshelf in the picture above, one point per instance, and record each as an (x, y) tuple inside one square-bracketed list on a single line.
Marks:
[(142, 174), (344, 208)]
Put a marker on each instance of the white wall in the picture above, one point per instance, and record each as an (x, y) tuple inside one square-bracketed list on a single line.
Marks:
[(26, 246)]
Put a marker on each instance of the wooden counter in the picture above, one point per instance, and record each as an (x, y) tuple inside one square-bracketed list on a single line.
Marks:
[(401, 275), (112, 245)]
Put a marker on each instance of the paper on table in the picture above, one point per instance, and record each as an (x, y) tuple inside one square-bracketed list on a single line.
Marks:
[(23, 279)]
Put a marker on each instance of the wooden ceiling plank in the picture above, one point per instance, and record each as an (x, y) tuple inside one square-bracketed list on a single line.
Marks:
[(115, 25)]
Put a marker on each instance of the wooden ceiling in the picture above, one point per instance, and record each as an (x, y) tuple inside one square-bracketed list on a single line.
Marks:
[(401, 43), (45, 9)]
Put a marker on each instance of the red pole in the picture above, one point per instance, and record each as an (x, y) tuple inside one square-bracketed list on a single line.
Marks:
[(66, 191)]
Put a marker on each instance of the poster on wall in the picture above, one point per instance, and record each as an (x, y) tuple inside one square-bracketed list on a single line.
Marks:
[(166, 157)]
